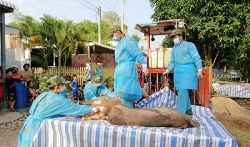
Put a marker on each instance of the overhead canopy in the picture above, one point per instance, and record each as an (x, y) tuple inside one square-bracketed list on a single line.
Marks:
[(163, 27), (99, 48), (7, 7)]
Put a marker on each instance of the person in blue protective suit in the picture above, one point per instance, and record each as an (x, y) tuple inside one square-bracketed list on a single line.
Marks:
[(126, 83), (185, 60), (99, 70), (48, 105), (94, 88)]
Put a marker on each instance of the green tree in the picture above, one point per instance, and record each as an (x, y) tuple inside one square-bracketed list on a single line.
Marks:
[(137, 38), (43, 47), (89, 28), (167, 42), (63, 36), (112, 18), (105, 33), (30, 36)]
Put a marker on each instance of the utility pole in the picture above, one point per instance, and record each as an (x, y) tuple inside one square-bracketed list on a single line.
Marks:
[(3, 58), (122, 18), (99, 25)]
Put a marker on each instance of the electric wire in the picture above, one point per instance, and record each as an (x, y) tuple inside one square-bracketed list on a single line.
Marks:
[(144, 7), (115, 4), (59, 4), (63, 16), (81, 2), (87, 6), (129, 21), (40, 8)]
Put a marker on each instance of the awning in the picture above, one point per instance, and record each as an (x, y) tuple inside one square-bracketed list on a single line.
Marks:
[(7, 7), (163, 27), (99, 48)]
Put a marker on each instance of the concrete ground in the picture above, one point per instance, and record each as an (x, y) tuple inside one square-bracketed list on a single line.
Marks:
[(10, 126)]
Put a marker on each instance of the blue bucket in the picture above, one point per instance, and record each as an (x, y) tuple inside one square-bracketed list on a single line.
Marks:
[(21, 96)]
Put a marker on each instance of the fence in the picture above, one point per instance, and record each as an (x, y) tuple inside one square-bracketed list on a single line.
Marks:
[(79, 71)]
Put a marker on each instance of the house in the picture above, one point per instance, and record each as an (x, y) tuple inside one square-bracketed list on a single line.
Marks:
[(14, 53), (95, 51)]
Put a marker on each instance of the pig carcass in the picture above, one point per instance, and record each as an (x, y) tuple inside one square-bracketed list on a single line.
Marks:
[(104, 106), (150, 117)]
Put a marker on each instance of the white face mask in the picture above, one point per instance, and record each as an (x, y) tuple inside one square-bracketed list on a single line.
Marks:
[(63, 89), (176, 41)]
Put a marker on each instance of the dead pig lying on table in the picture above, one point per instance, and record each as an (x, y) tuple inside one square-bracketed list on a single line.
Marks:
[(150, 117)]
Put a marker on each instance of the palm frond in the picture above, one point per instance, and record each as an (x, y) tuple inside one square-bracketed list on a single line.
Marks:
[(38, 59)]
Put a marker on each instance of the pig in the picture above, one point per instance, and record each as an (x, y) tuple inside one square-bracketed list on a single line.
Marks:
[(150, 117), (104, 106)]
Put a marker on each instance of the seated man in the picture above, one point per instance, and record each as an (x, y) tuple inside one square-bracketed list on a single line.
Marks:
[(94, 88), (49, 105)]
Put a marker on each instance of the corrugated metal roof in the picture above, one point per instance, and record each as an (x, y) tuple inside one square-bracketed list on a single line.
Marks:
[(11, 30), (163, 27), (8, 7), (91, 43)]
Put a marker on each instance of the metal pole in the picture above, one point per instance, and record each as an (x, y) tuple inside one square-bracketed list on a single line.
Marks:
[(89, 56), (122, 18), (54, 62), (54, 59), (99, 25), (3, 57)]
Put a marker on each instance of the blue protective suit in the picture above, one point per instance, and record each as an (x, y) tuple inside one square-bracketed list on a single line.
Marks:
[(92, 92), (64, 92), (99, 72), (185, 60), (47, 105), (126, 83)]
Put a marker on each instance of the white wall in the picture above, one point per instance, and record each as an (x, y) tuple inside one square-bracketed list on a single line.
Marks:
[(15, 57)]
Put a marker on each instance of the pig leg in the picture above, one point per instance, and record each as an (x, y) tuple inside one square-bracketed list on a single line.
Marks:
[(191, 121)]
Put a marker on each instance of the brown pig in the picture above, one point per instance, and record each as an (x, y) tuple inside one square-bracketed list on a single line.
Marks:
[(150, 117)]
